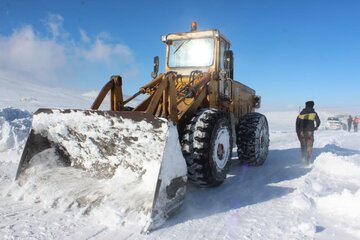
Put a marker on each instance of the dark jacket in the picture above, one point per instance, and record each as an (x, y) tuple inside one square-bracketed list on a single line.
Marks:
[(306, 120)]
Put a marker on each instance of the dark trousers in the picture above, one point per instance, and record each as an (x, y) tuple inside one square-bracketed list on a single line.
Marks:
[(349, 126), (306, 139), (355, 127)]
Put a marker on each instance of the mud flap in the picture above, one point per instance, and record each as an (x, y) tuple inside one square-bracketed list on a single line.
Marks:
[(133, 150)]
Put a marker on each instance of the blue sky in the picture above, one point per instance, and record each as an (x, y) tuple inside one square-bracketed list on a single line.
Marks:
[(288, 51)]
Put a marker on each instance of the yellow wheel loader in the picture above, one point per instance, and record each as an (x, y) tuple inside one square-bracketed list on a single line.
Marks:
[(184, 128)]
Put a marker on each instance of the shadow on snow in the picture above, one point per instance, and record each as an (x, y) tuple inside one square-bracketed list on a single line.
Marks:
[(332, 148), (246, 185)]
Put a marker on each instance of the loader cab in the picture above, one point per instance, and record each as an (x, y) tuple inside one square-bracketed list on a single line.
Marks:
[(195, 50)]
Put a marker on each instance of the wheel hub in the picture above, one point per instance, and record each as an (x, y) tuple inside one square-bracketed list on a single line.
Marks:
[(220, 151)]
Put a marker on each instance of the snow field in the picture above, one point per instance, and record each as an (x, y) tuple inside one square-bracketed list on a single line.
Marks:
[(280, 200)]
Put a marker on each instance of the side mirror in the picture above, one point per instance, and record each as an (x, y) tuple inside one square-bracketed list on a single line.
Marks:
[(156, 67), (257, 101), (229, 63)]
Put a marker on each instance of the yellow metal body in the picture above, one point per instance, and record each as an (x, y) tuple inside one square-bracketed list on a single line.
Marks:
[(179, 92)]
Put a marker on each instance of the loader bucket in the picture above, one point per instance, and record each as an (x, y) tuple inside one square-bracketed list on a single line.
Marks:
[(136, 157)]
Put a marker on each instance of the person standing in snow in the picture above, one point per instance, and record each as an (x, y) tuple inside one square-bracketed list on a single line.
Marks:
[(306, 123), (349, 120), (356, 122)]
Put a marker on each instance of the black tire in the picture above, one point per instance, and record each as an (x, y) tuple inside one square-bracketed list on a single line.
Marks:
[(253, 139), (207, 146)]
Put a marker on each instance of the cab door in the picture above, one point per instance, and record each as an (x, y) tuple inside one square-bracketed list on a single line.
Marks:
[(225, 83)]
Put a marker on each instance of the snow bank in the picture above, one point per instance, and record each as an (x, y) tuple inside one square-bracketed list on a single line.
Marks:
[(344, 205), (30, 95), (14, 128), (333, 185), (280, 200), (285, 121), (102, 142), (345, 168), (123, 159), (281, 121)]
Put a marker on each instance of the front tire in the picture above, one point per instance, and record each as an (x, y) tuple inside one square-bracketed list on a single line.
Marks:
[(253, 139), (207, 147)]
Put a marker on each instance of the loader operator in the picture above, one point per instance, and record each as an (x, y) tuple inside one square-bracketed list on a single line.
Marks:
[(305, 127)]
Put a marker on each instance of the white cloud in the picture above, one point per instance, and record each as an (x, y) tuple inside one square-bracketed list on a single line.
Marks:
[(34, 56), (124, 51), (104, 36), (84, 37), (54, 24), (101, 51), (30, 55), (98, 52), (131, 73), (91, 94)]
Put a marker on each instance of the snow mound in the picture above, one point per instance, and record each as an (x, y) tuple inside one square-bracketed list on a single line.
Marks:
[(343, 205), (15, 126), (346, 168), (95, 141), (333, 184), (126, 162)]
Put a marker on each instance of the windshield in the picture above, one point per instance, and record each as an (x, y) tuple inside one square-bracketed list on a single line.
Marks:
[(191, 52)]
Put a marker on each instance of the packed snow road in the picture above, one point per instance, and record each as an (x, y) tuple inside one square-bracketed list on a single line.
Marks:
[(280, 200)]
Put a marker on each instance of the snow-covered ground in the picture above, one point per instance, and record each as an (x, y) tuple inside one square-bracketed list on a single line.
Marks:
[(280, 200)]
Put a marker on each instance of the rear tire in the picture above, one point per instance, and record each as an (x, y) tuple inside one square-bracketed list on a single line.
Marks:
[(253, 139), (207, 146)]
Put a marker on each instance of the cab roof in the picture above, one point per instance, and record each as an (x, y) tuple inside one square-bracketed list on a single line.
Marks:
[(194, 34)]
